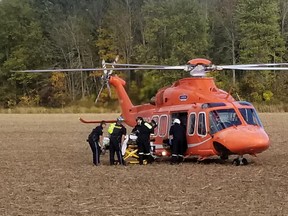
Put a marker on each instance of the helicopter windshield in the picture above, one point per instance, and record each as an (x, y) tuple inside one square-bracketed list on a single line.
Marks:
[(221, 119), (250, 116)]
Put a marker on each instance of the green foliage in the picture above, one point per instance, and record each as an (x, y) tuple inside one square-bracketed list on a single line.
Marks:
[(260, 42), (267, 96), (170, 38), (106, 45), (22, 46), (260, 39), (29, 101), (37, 34)]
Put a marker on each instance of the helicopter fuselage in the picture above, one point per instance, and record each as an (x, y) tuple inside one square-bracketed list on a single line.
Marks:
[(215, 123)]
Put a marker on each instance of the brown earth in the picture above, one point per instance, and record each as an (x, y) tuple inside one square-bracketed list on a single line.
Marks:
[(46, 169)]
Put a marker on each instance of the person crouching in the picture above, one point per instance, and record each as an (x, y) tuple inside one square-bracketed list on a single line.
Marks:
[(95, 140)]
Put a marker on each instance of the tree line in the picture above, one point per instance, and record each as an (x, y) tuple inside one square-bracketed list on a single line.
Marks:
[(41, 34)]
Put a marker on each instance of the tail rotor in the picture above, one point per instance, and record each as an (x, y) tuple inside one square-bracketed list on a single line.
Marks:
[(106, 76)]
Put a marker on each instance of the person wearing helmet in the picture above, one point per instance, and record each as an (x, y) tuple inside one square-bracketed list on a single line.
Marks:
[(95, 140), (143, 130), (117, 134), (177, 136)]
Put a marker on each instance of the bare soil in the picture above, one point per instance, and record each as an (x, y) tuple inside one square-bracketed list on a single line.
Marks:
[(46, 169)]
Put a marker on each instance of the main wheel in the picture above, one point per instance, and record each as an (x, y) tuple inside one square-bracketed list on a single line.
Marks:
[(236, 162), (224, 157), (244, 161)]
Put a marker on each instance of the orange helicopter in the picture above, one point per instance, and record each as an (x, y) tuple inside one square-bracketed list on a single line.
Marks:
[(216, 124)]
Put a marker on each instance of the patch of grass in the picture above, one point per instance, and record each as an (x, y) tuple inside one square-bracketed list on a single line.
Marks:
[(271, 108), (70, 109), (113, 108)]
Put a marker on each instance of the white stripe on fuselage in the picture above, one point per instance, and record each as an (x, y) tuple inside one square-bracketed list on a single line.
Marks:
[(198, 144)]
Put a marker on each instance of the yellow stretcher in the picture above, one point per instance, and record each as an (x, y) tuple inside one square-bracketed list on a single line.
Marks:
[(131, 156)]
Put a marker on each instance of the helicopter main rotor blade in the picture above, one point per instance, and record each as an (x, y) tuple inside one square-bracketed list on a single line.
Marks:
[(100, 69), (137, 65), (99, 93), (58, 70), (113, 64), (253, 65), (110, 72), (104, 67), (253, 68), (109, 89)]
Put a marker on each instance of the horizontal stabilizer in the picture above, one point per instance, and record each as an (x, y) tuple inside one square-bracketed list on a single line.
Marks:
[(95, 121)]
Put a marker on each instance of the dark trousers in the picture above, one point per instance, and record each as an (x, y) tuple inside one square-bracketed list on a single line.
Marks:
[(178, 149), (96, 150), (114, 147), (144, 151)]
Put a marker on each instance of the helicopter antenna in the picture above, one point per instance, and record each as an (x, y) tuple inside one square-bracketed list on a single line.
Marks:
[(238, 96), (230, 91), (105, 77)]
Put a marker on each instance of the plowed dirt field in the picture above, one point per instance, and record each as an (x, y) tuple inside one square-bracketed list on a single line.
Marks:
[(46, 169)]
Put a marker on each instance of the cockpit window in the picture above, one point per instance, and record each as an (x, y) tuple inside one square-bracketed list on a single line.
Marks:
[(221, 119), (250, 116)]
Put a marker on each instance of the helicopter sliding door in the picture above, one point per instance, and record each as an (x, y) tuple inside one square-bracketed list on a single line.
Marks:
[(160, 134), (199, 143), (163, 125)]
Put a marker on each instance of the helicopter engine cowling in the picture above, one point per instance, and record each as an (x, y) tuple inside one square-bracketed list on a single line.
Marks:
[(191, 90)]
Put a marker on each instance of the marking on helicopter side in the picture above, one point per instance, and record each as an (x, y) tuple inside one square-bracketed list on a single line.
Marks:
[(197, 144), (183, 97)]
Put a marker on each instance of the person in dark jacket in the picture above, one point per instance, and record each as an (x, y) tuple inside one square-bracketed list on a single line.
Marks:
[(95, 140), (177, 135), (117, 135), (143, 130)]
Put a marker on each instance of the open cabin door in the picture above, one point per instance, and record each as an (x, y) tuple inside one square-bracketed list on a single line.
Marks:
[(182, 116)]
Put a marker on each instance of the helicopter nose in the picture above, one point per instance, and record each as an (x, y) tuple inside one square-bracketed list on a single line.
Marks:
[(244, 139)]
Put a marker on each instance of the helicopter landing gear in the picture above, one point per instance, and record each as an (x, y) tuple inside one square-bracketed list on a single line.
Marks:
[(224, 157), (240, 161)]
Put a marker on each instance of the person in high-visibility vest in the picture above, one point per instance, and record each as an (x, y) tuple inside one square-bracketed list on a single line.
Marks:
[(117, 134)]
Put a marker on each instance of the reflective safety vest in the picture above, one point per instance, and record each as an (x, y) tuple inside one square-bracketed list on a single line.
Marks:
[(149, 126), (112, 127)]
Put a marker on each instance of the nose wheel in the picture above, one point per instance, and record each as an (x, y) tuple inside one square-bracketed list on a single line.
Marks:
[(240, 161)]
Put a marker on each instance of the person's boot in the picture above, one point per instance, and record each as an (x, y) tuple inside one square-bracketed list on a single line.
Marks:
[(150, 159), (141, 159), (180, 158), (173, 160)]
